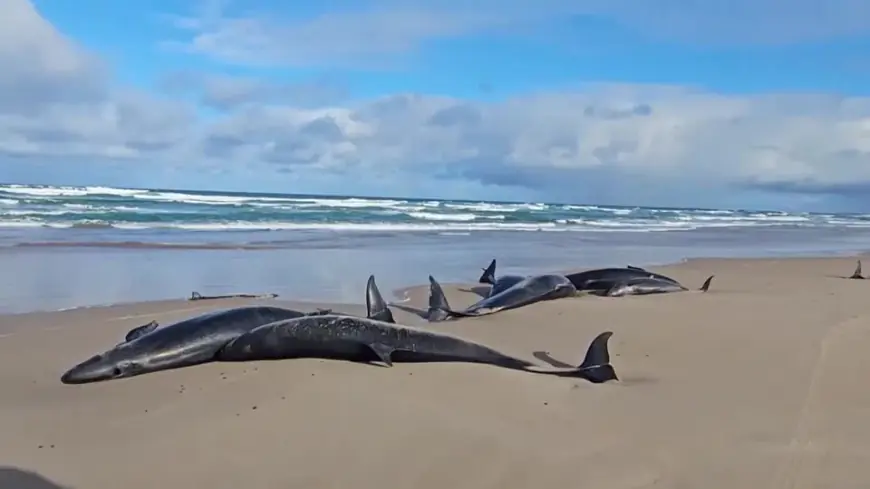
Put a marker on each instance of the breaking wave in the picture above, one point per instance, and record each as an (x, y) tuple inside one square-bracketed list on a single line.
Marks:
[(41, 206)]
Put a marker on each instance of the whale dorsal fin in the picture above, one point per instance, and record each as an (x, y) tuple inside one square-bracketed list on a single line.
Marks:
[(439, 308), (488, 276), (857, 274), (140, 331), (706, 285), (376, 307)]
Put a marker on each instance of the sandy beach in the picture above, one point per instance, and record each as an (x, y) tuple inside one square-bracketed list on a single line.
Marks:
[(758, 383)]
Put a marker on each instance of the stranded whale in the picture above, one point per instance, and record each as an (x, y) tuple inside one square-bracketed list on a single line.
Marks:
[(605, 278), (647, 285), (191, 342), (501, 283), (367, 340), (532, 289)]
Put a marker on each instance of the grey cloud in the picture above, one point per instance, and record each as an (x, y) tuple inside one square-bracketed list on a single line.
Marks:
[(284, 137), (230, 93), (654, 135), (617, 113), (463, 114), (220, 145), (322, 128)]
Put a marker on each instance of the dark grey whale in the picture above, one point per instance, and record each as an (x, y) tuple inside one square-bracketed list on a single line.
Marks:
[(366, 340), (190, 342), (185, 343), (649, 285), (532, 289), (605, 278), (500, 283)]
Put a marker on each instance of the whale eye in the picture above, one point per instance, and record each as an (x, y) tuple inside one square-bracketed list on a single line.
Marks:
[(116, 372)]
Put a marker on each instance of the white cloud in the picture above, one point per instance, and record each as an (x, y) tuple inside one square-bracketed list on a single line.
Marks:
[(56, 99), (556, 141), (378, 33), (615, 143)]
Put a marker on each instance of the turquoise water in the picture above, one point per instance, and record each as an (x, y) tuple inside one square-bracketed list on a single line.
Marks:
[(63, 247), (24, 206)]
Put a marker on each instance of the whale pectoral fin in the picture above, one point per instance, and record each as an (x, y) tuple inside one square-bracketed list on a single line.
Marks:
[(383, 352), (612, 291), (140, 331)]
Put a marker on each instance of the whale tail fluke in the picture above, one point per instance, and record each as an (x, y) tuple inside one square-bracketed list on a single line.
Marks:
[(488, 276), (596, 365), (439, 308), (857, 274), (706, 285), (376, 306)]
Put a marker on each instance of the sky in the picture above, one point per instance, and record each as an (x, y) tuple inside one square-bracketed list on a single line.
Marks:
[(693, 103)]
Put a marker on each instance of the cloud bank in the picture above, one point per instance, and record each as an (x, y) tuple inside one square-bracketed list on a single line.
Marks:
[(666, 145)]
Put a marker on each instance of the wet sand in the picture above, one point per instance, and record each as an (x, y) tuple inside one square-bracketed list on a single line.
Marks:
[(757, 383)]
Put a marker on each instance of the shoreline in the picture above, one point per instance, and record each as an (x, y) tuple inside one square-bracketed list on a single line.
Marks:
[(405, 294)]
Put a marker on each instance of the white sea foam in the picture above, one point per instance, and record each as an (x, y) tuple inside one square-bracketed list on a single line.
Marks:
[(57, 207)]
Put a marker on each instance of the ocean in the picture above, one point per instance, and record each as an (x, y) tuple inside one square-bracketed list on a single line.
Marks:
[(64, 247)]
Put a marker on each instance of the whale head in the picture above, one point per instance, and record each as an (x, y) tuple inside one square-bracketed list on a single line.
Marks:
[(113, 364)]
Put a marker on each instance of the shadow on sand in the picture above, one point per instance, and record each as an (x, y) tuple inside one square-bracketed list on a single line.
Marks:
[(12, 478), (546, 358), (411, 310), (481, 290)]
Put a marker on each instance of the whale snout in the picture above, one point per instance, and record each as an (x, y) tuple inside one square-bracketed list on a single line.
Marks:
[(95, 369)]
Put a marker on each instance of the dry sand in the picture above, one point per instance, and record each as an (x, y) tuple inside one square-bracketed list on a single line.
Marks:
[(760, 383)]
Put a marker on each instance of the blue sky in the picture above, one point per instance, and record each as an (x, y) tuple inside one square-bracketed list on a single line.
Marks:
[(667, 102), (554, 53)]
